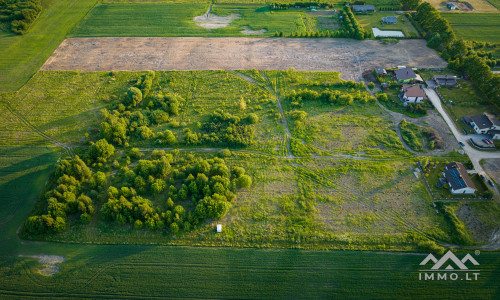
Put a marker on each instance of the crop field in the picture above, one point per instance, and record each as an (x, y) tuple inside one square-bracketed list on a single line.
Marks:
[(176, 19), (375, 20), (478, 27), (22, 55)]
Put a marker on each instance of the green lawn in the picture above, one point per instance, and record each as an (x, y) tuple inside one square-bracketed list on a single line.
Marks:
[(375, 20), (412, 135), (466, 100), (22, 56), (479, 27), (150, 19)]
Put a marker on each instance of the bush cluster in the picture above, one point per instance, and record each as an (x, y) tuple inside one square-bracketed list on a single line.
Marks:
[(19, 13)]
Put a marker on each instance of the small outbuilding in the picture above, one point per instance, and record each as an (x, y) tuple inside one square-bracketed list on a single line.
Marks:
[(219, 228), (390, 20), (445, 80), (363, 8), (451, 6), (380, 72)]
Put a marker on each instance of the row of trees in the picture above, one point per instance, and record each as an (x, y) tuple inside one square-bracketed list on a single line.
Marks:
[(350, 27), (327, 96), (74, 186), (19, 13), (460, 54), (286, 5)]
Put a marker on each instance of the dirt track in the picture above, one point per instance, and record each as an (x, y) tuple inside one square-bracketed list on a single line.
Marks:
[(350, 57)]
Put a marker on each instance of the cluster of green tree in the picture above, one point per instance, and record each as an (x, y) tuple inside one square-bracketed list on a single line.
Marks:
[(287, 5), (74, 186), (327, 96), (134, 120), (310, 34), (223, 128), (19, 13), (460, 54), (486, 51), (350, 28), (208, 183), (416, 108)]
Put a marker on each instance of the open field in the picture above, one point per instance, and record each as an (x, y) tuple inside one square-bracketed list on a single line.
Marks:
[(21, 56), (479, 27), (339, 55), (480, 6), (190, 19), (375, 20)]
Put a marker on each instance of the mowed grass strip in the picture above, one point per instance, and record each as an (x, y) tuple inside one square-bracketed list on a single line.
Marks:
[(22, 56), (479, 27), (142, 19)]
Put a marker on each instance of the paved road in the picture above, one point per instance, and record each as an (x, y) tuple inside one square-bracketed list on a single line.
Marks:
[(474, 154)]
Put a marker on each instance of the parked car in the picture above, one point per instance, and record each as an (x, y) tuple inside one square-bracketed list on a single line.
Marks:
[(490, 182), (489, 141), (465, 131), (485, 141), (482, 177), (461, 144)]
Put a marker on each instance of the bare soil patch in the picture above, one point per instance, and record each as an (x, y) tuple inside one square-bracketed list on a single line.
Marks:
[(248, 31), (351, 57), (213, 21), (50, 263)]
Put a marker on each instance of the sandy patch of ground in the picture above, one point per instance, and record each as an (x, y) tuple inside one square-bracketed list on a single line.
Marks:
[(322, 13), (248, 31), (387, 33), (213, 21), (492, 168), (50, 263), (351, 57), (478, 5)]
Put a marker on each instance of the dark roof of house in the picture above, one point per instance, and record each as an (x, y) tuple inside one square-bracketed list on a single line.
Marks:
[(457, 176), (363, 7), (445, 79), (481, 121), (380, 70), (390, 19), (492, 119), (405, 74), (414, 91), (493, 132)]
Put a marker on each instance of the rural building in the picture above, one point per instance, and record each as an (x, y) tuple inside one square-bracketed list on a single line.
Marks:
[(458, 179), (405, 75), (390, 20), (451, 6), (385, 86), (219, 228), (380, 72), (483, 124), (495, 134), (445, 80), (363, 8), (413, 94)]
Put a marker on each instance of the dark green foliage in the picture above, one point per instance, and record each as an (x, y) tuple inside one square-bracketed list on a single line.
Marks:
[(328, 96), (134, 96), (350, 27), (19, 13), (70, 178), (225, 129), (101, 150)]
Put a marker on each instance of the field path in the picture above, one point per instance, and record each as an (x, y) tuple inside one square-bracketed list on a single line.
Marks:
[(239, 53)]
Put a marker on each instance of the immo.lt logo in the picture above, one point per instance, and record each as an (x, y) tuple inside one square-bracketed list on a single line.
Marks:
[(449, 267)]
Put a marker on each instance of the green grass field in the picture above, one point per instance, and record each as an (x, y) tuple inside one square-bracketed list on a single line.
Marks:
[(466, 100), (149, 19), (375, 20), (22, 56), (479, 27)]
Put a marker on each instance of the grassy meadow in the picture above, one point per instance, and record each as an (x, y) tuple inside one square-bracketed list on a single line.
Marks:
[(371, 20), (149, 19), (22, 56), (478, 27)]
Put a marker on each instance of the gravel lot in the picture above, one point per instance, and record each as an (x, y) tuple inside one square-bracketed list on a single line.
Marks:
[(348, 56)]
